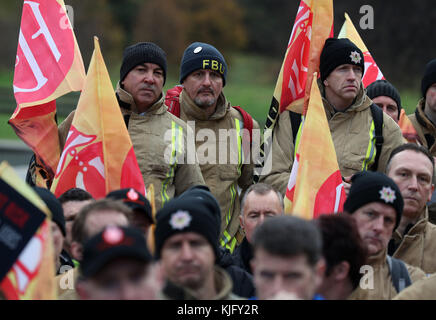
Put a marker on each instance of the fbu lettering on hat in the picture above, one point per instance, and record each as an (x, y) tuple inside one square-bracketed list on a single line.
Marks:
[(199, 55)]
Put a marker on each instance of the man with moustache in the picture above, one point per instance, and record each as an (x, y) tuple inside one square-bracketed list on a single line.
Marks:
[(226, 160)]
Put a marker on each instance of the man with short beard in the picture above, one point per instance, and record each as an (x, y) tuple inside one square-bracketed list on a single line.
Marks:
[(225, 164)]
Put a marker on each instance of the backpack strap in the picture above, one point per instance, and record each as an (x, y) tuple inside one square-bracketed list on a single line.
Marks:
[(172, 100), (377, 116), (295, 124), (399, 274)]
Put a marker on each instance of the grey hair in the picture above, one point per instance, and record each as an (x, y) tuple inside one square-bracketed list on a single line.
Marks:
[(261, 189)]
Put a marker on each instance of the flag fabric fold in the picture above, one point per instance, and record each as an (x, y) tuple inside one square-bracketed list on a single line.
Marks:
[(98, 155), (316, 186), (48, 65), (407, 128), (312, 26), (26, 243), (372, 71)]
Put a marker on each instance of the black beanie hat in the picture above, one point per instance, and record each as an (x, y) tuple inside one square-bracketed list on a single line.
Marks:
[(384, 88), (201, 55), (140, 53), (337, 52), (429, 76), (134, 200), (368, 186), (196, 210), (55, 207)]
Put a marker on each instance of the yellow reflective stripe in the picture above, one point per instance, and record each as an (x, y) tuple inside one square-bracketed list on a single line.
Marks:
[(228, 242), (240, 153), (371, 151), (176, 143), (298, 137)]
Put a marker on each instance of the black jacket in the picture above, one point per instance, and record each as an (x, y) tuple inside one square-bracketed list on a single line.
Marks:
[(243, 284)]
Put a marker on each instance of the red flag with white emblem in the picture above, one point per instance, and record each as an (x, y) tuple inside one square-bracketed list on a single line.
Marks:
[(98, 155), (48, 65)]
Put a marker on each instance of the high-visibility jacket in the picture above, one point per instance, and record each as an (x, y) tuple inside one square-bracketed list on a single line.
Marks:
[(159, 141), (353, 134), (227, 169)]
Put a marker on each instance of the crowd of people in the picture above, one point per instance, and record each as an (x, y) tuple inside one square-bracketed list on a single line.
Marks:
[(215, 233)]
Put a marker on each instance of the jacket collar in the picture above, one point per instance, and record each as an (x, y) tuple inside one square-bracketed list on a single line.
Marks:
[(195, 112), (378, 259), (223, 285), (415, 229), (422, 118), (246, 253), (128, 106)]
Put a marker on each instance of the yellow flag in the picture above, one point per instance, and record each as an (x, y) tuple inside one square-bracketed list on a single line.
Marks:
[(318, 188), (98, 155), (372, 71)]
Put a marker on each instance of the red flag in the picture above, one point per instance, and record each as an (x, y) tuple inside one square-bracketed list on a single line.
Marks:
[(372, 71), (48, 65), (98, 155), (313, 25), (318, 184)]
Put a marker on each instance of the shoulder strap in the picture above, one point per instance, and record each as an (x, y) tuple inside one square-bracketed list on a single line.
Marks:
[(172, 100), (295, 124), (399, 274), (377, 116)]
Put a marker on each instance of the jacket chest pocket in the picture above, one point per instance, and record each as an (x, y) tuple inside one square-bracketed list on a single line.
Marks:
[(360, 152)]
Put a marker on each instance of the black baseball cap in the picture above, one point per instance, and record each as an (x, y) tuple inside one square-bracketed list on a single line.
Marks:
[(112, 243)]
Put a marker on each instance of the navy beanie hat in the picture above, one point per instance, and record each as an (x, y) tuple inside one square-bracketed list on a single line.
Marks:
[(337, 52), (200, 55), (368, 186), (384, 88), (429, 76), (140, 53)]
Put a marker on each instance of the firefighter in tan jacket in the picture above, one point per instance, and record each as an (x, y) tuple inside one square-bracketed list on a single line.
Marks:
[(424, 289), (158, 137), (349, 117), (226, 165), (414, 241), (424, 118), (375, 203)]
